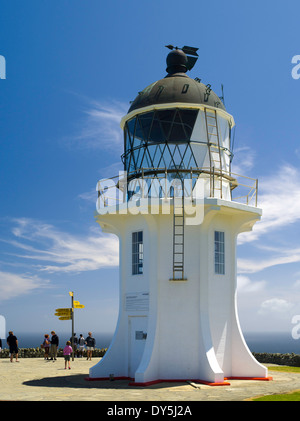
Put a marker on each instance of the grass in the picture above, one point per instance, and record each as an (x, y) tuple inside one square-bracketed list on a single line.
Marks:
[(291, 396), (285, 368)]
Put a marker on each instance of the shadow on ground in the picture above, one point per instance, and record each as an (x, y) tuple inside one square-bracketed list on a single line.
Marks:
[(78, 381)]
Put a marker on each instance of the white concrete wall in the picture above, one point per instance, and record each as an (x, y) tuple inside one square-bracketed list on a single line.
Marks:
[(192, 326)]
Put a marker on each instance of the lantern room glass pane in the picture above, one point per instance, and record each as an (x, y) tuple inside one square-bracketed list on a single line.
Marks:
[(145, 123), (171, 129)]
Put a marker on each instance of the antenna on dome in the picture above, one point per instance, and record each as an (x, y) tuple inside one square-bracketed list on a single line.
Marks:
[(222, 98)]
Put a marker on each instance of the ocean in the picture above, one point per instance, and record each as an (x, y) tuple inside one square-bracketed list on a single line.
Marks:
[(34, 340), (257, 341), (272, 342)]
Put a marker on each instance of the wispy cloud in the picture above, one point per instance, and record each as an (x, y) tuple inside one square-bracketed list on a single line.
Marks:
[(279, 258), (279, 198), (111, 171), (243, 161), (100, 125), (245, 285), (280, 201), (53, 251), (13, 285)]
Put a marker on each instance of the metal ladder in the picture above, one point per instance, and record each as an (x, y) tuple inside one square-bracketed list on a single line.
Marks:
[(215, 158), (178, 237)]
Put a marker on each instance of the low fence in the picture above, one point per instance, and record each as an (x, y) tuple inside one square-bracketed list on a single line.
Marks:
[(40, 353), (280, 359)]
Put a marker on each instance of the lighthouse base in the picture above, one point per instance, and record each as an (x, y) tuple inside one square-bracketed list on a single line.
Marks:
[(183, 330)]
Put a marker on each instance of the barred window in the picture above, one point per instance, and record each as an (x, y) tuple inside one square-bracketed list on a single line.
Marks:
[(137, 253), (219, 252)]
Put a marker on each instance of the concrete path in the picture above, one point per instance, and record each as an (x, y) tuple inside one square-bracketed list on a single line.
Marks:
[(34, 379)]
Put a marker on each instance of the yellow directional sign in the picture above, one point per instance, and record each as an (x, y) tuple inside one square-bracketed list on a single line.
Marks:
[(77, 304), (63, 312), (65, 318)]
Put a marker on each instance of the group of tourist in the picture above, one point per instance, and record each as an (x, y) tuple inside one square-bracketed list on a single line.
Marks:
[(50, 346)]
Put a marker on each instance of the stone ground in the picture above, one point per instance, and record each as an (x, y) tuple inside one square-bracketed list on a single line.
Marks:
[(34, 379)]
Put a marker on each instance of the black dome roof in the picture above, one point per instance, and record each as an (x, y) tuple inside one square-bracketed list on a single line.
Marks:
[(177, 86)]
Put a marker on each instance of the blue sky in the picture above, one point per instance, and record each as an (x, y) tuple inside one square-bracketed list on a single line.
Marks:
[(71, 69)]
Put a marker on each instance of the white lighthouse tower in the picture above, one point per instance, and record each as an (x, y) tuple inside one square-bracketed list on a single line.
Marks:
[(177, 216)]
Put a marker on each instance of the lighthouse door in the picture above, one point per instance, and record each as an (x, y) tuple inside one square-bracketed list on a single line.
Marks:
[(137, 329)]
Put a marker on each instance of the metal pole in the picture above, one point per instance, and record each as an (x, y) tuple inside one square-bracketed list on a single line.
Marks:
[(256, 196), (166, 173), (72, 314)]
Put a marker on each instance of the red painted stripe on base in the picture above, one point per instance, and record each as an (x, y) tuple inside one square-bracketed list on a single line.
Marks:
[(133, 383), (145, 384), (250, 378), (179, 381), (95, 379)]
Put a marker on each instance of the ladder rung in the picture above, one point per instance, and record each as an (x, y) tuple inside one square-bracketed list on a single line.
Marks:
[(178, 237)]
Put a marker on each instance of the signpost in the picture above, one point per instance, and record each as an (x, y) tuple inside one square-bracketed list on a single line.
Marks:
[(68, 314)]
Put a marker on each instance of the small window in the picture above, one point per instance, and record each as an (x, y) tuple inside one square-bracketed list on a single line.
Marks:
[(219, 252), (137, 253)]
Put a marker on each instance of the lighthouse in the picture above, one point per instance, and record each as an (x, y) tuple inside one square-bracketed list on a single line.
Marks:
[(177, 210)]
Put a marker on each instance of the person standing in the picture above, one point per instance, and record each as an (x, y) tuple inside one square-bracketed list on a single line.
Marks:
[(90, 345), (54, 345), (12, 342), (46, 346), (75, 343), (81, 342), (67, 354)]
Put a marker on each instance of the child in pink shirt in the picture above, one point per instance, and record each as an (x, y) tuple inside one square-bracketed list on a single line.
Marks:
[(67, 354)]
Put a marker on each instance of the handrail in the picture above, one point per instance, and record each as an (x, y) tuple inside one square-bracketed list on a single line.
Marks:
[(149, 177)]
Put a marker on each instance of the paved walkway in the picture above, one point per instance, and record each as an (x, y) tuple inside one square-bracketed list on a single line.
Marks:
[(34, 379)]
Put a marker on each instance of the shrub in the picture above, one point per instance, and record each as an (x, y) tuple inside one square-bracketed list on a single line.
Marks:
[(39, 352), (280, 359)]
